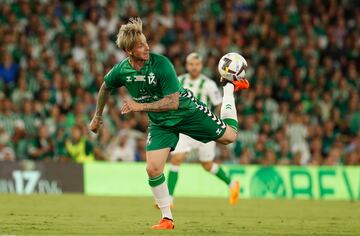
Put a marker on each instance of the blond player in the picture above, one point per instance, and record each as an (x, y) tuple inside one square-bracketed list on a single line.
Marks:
[(154, 88)]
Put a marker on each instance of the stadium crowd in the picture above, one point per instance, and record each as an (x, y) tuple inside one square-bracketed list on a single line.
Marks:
[(303, 107)]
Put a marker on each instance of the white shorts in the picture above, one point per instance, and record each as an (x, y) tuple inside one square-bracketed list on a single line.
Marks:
[(186, 144)]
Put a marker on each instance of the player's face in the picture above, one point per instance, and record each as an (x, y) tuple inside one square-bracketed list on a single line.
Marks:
[(194, 67), (141, 49)]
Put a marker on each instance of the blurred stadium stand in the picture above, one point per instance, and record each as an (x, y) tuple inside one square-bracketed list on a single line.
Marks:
[(304, 57)]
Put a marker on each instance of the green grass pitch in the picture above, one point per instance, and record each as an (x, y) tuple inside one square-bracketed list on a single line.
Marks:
[(85, 215)]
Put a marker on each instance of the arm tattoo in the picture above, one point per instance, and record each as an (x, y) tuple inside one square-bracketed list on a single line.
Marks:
[(102, 98), (170, 102)]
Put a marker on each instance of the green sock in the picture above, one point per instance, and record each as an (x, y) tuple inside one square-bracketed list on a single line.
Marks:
[(220, 173), (156, 181), (172, 179), (232, 123)]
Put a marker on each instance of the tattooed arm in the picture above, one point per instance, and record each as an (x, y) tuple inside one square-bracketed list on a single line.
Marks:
[(102, 98), (170, 102)]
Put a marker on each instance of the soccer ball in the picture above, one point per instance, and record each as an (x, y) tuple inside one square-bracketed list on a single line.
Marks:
[(232, 66)]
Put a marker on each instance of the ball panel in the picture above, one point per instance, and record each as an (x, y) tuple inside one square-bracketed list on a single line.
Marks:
[(232, 66)]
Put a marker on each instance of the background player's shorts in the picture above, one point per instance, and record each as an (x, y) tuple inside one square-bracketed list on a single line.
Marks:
[(206, 151), (199, 123)]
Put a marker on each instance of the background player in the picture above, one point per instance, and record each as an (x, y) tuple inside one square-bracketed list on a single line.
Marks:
[(206, 91), (154, 88)]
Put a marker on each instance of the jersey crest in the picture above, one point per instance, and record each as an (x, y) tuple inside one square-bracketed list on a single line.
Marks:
[(151, 78)]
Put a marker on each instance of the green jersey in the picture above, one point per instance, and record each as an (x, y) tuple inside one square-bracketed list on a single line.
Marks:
[(155, 80)]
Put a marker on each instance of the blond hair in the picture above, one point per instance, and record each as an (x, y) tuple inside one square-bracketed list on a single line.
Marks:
[(129, 34)]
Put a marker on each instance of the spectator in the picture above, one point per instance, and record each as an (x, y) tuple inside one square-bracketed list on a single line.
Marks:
[(6, 152), (4, 136), (334, 157), (8, 70), (121, 148), (140, 154), (41, 147), (224, 155), (78, 147), (20, 140), (352, 159), (316, 152), (246, 157), (269, 157), (284, 155)]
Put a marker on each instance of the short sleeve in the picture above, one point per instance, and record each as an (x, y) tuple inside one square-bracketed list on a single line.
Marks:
[(168, 82), (214, 93), (112, 78)]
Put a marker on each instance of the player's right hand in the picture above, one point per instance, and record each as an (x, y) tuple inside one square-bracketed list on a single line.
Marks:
[(95, 124)]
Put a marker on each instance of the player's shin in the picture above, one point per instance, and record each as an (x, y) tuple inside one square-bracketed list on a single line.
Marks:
[(161, 195), (172, 179), (220, 173), (228, 108)]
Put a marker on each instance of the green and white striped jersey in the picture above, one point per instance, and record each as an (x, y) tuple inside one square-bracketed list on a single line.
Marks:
[(247, 137), (203, 89)]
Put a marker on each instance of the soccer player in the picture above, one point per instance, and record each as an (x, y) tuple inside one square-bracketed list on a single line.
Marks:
[(154, 88), (206, 91)]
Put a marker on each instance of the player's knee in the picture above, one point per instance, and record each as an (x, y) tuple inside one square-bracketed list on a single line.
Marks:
[(230, 138), (175, 161), (207, 166), (153, 171)]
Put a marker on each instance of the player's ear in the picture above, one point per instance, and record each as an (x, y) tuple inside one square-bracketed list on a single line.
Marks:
[(129, 52)]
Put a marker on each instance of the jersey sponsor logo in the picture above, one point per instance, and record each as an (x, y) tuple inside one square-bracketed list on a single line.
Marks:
[(227, 106), (139, 78), (142, 98), (151, 78), (128, 79)]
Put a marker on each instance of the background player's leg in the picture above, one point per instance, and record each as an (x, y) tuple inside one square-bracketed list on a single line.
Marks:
[(175, 162), (206, 157), (216, 170), (155, 162)]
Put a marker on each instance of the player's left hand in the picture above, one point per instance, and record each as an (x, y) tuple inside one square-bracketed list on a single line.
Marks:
[(129, 106), (95, 124)]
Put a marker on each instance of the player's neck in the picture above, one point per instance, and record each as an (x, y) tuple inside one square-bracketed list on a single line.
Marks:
[(136, 64), (195, 77)]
